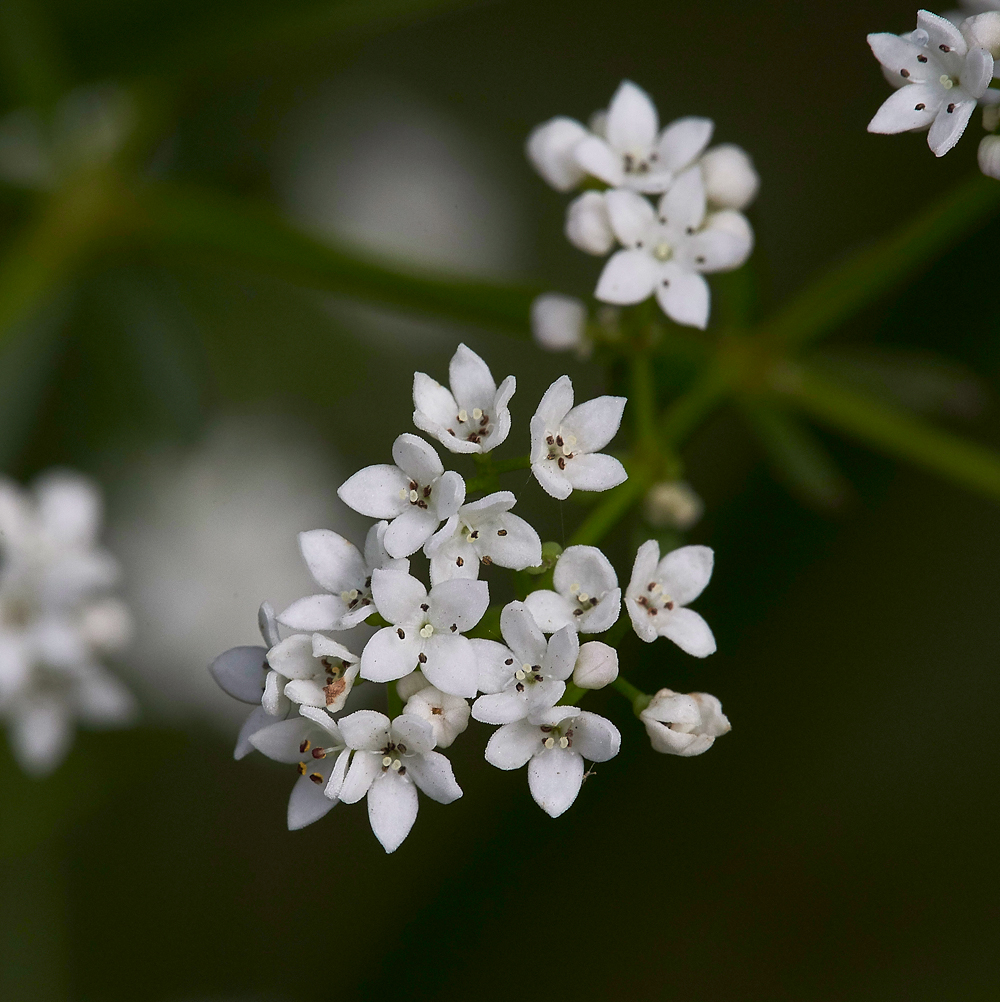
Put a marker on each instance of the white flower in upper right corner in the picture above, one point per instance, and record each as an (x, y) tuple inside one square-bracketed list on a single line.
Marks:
[(392, 760), (470, 417), (586, 596), (943, 76), (687, 725), (565, 442), (426, 631), (313, 743), (559, 322), (553, 743), (525, 675), (416, 494), (336, 565), (483, 530), (660, 589), (667, 250)]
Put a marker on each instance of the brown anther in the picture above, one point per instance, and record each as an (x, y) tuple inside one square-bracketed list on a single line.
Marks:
[(421, 503), (546, 728), (921, 59), (436, 711), (501, 532), (919, 107), (451, 431), (368, 581), (578, 612), (474, 438), (316, 778), (651, 586), (549, 440), (352, 603), (454, 627), (402, 748), (459, 562), (559, 440), (302, 768), (474, 534), (944, 48), (538, 678), (413, 485), (951, 109), (669, 606), (509, 661), (653, 610), (427, 492), (562, 463), (904, 73), (519, 687), (400, 634), (402, 770), (319, 753), (487, 559), (305, 746), (422, 658), (484, 421), (424, 606)]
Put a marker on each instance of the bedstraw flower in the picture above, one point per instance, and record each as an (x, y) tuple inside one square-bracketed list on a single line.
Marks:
[(686, 725), (586, 596)]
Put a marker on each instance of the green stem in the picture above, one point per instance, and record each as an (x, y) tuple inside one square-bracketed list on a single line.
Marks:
[(894, 432), (487, 479), (689, 410), (573, 694), (395, 702), (636, 697), (849, 287), (642, 402), (605, 516)]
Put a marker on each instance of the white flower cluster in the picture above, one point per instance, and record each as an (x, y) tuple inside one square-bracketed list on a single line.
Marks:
[(696, 227), (941, 72), (300, 682), (57, 619)]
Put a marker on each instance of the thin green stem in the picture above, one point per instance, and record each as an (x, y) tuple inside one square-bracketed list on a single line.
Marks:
[(394, 699), (605, 516), (636, 697), (642, 402), (573, 694), (893, 431)]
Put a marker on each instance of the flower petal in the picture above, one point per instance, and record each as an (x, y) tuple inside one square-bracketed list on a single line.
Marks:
[(550, 149), (491, 660), (909, 108), (449, 495), (522, 633), (597, 158), (509, 541), (941, 32), (365, 730), (364, 768), (683, 141), (685, 572), (595, 738), (471, 380), (597, 472), (554, 778), (602, 616), (284, 740), (432, 774), (410, 530), (587, 568), (387, 656), (240, 672), (688, 631), (293, 657), (630, 276), (322, 612), (258, 719), (595, 422), (376, 491), (642, 621), (434, 401), (451, 665), (512, 745), (630, 216), (632, 121), (897, 54), (555, 403), (392, 809), (417, 459), (977, 72), (551, 611), (683, 206), (949, 125), (456, 606), (415, 733), (683, 295), (588, 227), (552, 481), (308, 802), (335, 563), (562, 653)]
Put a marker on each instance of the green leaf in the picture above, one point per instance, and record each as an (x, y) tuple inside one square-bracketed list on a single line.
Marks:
[(796, 455), (257, 238), (892, 431)]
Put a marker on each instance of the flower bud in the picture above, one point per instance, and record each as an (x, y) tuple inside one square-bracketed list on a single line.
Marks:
[(989, 156), (448, 715), (686, 725), (673, 503), (550, 150), (588, 225), (991, 117), (558, 322), (731, 180), (983, 31), (596, 666), (409, 685)]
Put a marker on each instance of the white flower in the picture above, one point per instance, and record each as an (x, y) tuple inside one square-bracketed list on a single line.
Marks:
[(391, 762), (673, 503), (566, 442), (426, 631), (242, 672), (588, 225), (731, 181), (314, 744), (633, 153), (550, 149), (660, 589), (685, 725), (470, 417), (483, 530), (989, 156), (526, 675), (596, 666), (310, 671), (943, 80), (336, 565), (983, 30), (554, 742), (448, 715), (586, 596), (416, 494), (971, 7), (559, 322), (667, 250), (56, 619)]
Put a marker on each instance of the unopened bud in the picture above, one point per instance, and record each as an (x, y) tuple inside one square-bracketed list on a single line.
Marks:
[(983, 31), (731, 181), (596, 666), (409, 685), (991, 117), (588, 225), (550, 149), (989, 156), (551, 552), (558, 322), (673, 503)]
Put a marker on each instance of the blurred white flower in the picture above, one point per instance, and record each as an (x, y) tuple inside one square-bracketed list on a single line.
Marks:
[(204, 535), (673, 503), (588, 225), (686, 725), (57, 619), (989, 156), (559, 323)]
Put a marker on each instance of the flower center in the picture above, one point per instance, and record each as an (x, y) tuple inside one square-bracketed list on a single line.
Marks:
[(417, 495), (354, 597), (333, 669), (560, 447), (663, 251), (475, 426), (635, 163), (313, 752), (584, 600), (527, 675), (391, 758), (656, 600), (947, 81), (554, 737)]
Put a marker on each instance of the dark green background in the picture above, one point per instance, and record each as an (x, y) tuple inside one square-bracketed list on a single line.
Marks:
[(838, 845)]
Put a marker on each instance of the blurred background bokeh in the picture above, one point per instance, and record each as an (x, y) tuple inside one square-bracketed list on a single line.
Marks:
[(840, 844)]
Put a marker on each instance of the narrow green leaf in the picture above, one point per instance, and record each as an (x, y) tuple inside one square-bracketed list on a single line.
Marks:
[(872, 272), (796, 455), (30, 53), (257, 238), (892, 431)]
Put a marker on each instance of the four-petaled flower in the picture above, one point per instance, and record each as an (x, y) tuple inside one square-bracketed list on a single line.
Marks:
[(668, 249), (526, 675), (426, 631), (448, 715), (940, 76), (336, 565), (416, 494), (553, 742), (483, 530), (586, 596), (392, 760), (659, 590), (311, 671), (679, 724), (565, 442), (470, 417), (313, 743)]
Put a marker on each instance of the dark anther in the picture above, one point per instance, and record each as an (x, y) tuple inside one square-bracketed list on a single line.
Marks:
[(402, 770), (690, 231), (316, 778), (546, 728), (413, 485), (487, 559), (421, 503), (594, 600), (904, 73), (666, 282), (550, 440), (459, 562), (638, 243), (422, 658), (501, 532), (304, 747), (538, 678), (699, 259), (454, 627), (559, 440), (302, 768), (319, 753), (509, 661), (578, 612), (944, 48), (427, 492), (484, 421), (921, 59), (951, 108), (669, 606), (562, 463), (368, 582), (402, 748), (919, 107), (653, 610), (519, 687), (424, 607), (474, 534), (400, 634)]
